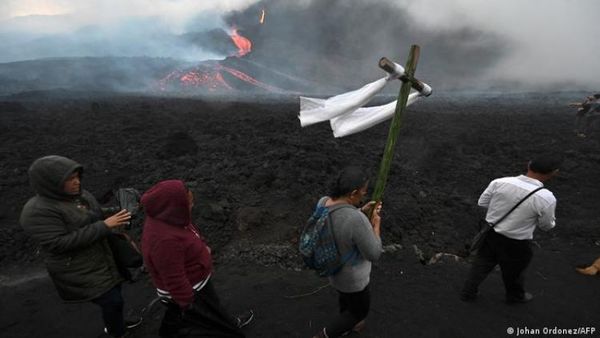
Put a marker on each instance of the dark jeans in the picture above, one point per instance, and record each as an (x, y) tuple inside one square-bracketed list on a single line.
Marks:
[(206, 318), (512, 255), (111, 303), (354, 307)]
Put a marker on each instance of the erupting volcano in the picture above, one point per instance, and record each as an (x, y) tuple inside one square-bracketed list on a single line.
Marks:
[(220, 75)]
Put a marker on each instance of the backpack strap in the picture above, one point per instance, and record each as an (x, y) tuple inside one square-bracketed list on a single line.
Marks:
[(322, 201), (319, 209)]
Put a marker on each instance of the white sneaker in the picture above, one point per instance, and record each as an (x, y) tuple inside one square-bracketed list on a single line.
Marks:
[(130, 323), (244, 319)]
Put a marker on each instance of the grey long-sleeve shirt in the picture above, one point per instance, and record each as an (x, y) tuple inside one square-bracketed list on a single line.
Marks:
[(352, 229)]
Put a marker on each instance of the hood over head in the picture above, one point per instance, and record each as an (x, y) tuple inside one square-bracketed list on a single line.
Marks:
[(167, 201), (47, 175)]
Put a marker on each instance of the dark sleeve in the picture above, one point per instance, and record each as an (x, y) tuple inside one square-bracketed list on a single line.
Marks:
[(168, 260), (48, 227)]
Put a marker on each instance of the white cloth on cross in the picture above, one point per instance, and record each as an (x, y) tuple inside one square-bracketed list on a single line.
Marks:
[(364, 118), (344, 111), (313, 110)]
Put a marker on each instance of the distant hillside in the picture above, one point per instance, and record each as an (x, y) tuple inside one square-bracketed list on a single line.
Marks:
[(58, 76), (85, 73)]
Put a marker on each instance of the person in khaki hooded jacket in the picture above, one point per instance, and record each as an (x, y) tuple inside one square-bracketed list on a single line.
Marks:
[(68, 223)]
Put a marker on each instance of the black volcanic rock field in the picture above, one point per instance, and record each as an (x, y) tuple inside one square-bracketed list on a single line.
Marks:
[(257, 174)]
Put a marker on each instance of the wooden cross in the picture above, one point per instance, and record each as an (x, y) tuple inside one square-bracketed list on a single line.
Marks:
[(408, 81)]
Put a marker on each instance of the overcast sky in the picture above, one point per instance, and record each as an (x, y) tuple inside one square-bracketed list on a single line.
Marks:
[(550, 40), (553, 39), (87, 12)]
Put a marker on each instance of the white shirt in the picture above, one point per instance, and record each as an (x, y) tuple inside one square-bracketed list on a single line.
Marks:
[(537, 210)]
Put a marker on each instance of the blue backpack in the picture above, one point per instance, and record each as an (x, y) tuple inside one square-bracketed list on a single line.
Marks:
[(317, 242)]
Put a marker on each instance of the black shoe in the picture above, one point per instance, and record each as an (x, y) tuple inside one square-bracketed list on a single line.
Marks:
[(244, 319), (526, 298), (133, 322), (130, 323)]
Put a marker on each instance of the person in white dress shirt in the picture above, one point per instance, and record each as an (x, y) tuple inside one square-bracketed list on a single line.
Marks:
[(508, 244)]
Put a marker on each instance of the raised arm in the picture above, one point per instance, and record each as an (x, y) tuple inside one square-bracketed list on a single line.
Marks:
[(47, 226)]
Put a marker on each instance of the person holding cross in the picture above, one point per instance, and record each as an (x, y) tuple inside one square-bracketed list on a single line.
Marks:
[(356, 237)]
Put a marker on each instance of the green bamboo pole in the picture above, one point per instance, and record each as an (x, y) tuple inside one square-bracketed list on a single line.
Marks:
[(388, 155)]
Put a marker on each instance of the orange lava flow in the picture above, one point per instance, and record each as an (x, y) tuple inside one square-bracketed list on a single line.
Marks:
[(247, 78), (211, 79), (243, 44)]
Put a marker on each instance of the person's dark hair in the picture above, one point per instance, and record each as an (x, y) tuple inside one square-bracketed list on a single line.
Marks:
[(545, 164), (349, 179)]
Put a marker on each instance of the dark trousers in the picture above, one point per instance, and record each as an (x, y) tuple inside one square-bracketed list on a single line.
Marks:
[(512, 255), (206, 318), (111, 303), (354, 307)]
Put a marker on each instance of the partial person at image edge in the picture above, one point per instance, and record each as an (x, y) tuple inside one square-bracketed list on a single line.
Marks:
[(68, 223)]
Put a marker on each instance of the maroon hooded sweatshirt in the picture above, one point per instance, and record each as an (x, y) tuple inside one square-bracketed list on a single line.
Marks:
[(175, 254)]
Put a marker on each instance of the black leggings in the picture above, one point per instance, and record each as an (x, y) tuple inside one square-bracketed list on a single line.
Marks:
[(111, 303), (354, 307)]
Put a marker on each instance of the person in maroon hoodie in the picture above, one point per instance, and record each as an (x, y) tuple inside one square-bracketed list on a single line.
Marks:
[(180, 264)]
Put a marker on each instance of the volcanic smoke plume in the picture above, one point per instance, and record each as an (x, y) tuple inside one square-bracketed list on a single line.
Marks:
[(317, 45), (339, 42), (313, 47)]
